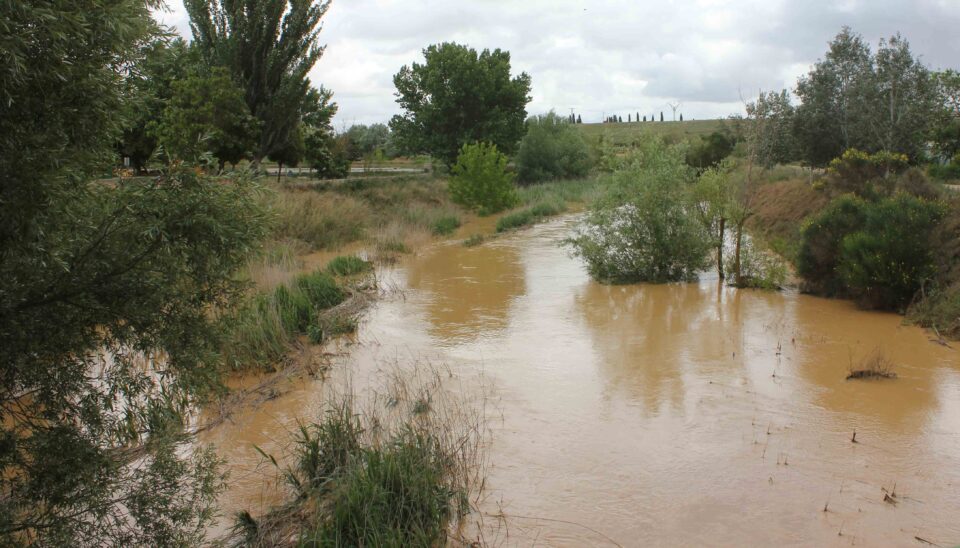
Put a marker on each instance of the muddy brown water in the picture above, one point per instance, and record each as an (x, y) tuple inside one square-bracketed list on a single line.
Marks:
[(666, 415)]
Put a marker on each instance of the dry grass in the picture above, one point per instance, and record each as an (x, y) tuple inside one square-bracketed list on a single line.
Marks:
[(875, 366)]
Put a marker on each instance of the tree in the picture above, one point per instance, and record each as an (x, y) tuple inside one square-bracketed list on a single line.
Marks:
[(681, 116), (714, 199), (269, 47), (946, 133), (901, 100), (771, 119), (107, 339), (480, 180), (291, 153), (457, 97), (830, 104), (579, 121), (207, 114), (661, 115), (148, 87), (551, 149)]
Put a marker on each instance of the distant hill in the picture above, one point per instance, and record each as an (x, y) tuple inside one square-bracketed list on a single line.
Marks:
[(625, 133)]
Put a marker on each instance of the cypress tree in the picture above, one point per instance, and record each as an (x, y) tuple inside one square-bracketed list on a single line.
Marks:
[(644, 118), (620, 119), (579, 120), (628, 118), (661, 115), (681, 116)]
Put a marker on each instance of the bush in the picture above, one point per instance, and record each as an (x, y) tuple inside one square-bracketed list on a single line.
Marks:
[(348, 265), (480, 180), (552, 149), (948, 171), (858, 172), (878, 252), (474, 240), (820, 239), (758, 268), (445, 225), (885, 263), (711, 150), (646, 230)]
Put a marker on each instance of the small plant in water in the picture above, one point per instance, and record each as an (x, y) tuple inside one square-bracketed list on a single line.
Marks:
[(474, 240), (874, 366)]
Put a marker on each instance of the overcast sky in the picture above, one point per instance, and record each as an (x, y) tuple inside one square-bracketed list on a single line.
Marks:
[(612, 55)]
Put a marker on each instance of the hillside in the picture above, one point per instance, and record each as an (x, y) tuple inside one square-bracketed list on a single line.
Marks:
[(624, 133)]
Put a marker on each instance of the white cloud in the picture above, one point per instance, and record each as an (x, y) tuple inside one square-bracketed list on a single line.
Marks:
[(615, 55)]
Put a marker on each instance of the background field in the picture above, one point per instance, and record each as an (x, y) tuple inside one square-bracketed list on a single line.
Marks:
[(625, 133)]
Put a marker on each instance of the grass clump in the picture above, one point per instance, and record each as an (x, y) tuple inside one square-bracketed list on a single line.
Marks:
[(874, 366), (445, 225), (393, 471), (529, 216), (474, 240), (348, 265), (260, 333)]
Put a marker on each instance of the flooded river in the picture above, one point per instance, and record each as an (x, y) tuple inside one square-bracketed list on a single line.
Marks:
[(673, 414)]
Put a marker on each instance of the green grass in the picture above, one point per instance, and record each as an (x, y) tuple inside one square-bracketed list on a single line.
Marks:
[(348, 265), (626, 133), (474, 240), (260, 333), (445, 225), (529, 216)]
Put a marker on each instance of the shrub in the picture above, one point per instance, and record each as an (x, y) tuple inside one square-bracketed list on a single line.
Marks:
[(321, 289), (948, 171), (480, 180), (552, 149), (885, 263), (758, 268), (446, 225), (820, 239), (710, 150), (857, 171), (474, 240), (646, 229), (348, 265)]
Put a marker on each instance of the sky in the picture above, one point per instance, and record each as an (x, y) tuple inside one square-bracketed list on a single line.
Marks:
[(612, 56)]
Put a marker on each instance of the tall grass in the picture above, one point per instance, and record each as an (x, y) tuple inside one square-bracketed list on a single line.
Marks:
[(397, 469), (260, 333), (529, 215), (568, 191), (320, 221)]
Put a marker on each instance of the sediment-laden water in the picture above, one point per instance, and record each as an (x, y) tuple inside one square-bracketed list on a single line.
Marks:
[(673, 414)]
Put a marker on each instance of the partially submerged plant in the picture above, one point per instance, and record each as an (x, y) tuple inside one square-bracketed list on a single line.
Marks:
[(874, 366)]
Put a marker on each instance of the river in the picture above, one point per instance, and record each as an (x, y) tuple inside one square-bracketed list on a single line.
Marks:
[(673, 414)]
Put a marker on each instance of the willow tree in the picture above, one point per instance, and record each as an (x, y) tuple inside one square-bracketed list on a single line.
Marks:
[(106, 338), (269, 46)]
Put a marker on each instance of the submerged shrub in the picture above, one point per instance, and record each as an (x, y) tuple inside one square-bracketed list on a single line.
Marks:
[(552, 149), (348, 265), (480, 180), (645, 229), (758, 268)]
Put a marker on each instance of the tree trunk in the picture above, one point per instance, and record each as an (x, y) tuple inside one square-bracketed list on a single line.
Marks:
[(279, 171), (737, 280), (723, 223)]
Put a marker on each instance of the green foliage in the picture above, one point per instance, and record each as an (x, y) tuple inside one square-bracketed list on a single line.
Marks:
[(269, 47), (480, 180), (348, 265), (529, 216), (459, 97), (710, 150), (855, 98), (859, 172), (769, 135), (552, 149), (261, 332), (890, 257), (819, 255), (759, 269), (207, 114), (878, 252), (474, 240), (395, 497), (149, 87), (445, 225), (645, 229), (949, 171)]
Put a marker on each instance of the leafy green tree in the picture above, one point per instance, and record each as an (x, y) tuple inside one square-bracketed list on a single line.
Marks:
[(946, 134), (269, 47), (901, 100), (148, 87), (291, 153), (771, 119), (456, 97), (106, 332), (480, 180), (207, 114), (714, 201), (551, 149), (710, 150), (831, 100)]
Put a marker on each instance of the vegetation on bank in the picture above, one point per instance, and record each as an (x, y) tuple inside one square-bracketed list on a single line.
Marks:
[(395, 469)]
